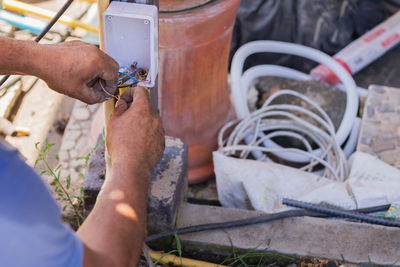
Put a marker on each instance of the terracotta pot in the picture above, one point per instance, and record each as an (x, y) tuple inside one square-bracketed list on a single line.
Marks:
[(194, 45)]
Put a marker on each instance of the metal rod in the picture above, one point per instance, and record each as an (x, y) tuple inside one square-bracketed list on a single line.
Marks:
[(256, 220), (341, 213)]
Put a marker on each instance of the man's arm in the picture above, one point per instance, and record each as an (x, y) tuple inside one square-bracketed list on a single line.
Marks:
[(18, 57), (114, 231), (73, 68)]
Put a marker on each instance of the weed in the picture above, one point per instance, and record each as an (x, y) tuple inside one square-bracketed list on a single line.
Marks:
[(160, 260), (61, 188), (91, 153), (177, 250)]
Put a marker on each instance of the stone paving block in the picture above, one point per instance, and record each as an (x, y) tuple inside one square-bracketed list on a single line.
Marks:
[(380, 126), (167, 188), (75, 145), (340, 240)]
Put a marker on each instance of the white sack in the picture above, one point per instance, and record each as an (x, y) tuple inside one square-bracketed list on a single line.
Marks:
[(251, 184), (372, 181)]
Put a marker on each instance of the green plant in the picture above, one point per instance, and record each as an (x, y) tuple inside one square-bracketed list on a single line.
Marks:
[(91, 153), (235, 258), (177, 250), (60, 188)]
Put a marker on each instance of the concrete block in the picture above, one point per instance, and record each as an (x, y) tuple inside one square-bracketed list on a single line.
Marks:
[(95, 175), (380, 126), (167, 188), (340, 240)]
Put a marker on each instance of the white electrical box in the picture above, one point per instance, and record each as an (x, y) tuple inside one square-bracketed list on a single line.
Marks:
[(131, 35)]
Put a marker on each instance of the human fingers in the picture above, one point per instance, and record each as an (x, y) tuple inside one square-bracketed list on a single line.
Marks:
[(94, 94), (135, 94), (120, 107), (141, 96), (109, 73), (109, 67)]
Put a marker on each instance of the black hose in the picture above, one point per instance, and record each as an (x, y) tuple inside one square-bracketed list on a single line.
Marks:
[(45, 30), (356, 215), (256, 220)]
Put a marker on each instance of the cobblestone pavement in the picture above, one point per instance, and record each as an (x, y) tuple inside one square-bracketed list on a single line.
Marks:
[(77, 140), (76, 143)]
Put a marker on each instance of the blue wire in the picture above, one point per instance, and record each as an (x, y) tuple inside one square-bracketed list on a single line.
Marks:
[(127, 75)]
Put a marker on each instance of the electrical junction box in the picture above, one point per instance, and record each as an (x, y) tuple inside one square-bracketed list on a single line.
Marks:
[(131, 35)]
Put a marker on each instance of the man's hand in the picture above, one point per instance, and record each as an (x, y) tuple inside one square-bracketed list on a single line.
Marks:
[(135, 134), (76, 69), (114, 230)]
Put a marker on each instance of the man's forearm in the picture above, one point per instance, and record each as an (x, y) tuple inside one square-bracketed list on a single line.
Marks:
[(135, 140), (116, 225), (20, 57), (73, 68)]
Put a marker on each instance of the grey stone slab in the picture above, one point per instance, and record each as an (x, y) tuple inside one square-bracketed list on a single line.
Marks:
[(303, 236), (167, 188), (380, 126)]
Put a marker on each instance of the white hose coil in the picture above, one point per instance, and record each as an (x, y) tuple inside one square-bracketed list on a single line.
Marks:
[(241, 82), (284, 120)]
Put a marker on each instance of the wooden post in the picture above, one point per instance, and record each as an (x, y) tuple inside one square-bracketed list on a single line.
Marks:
[(109, 105)]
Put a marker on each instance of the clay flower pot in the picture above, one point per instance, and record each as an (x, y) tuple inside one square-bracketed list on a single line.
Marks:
[(194, 45)]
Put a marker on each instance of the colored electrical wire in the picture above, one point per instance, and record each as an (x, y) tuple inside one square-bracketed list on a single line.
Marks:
[(341, 213), (105, 91), (45, 30), (125, 86), (255, 220), (129, 76)]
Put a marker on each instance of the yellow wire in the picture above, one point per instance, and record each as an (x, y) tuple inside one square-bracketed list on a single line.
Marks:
[(44, 13), (179, 261)]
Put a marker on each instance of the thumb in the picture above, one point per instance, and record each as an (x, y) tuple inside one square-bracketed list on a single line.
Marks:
[(140, 94), (120, 107)]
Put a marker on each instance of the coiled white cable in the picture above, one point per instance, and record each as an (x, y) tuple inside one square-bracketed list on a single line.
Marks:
[(288, 120), (241, 83)]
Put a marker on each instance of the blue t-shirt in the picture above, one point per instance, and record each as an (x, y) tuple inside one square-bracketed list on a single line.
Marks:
[(31, 230)]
